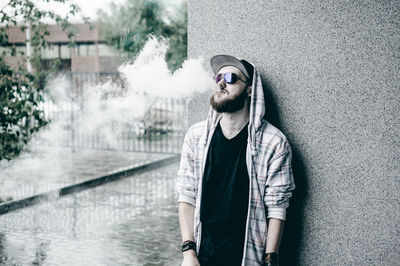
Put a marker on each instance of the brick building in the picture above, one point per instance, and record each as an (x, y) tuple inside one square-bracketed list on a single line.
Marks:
[(90, 54)]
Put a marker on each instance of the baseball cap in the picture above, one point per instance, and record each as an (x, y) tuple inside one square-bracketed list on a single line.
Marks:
[(219, 61)]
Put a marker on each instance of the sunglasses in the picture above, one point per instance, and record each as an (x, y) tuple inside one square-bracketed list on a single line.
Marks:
[(229, 78)]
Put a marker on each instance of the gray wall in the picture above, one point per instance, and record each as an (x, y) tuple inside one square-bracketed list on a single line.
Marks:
[(332, 75)]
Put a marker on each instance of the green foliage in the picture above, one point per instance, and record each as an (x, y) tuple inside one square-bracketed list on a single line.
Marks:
[(20, 115), (128, 26), (21, 92)]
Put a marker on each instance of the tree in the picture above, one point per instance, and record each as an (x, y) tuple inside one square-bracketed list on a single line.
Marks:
[(128, 26), (22, 91)]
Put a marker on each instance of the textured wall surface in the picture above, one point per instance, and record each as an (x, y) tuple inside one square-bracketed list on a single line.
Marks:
[(332, 75)]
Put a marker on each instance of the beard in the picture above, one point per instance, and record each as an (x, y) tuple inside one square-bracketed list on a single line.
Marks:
[(230, 104)]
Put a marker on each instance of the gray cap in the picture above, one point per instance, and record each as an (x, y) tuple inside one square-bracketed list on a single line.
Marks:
[(219, 61)]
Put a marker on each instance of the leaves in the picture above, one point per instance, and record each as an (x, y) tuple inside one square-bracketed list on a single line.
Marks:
[(21, 92), (128, 28)]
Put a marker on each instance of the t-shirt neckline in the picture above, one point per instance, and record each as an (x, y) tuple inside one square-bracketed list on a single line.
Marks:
[(237, 136)]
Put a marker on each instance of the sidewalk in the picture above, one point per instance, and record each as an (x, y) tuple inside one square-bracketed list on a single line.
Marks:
[(133, 221), (46, 169)]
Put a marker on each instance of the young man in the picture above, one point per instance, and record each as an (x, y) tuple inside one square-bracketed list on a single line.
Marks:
[(235, 177)]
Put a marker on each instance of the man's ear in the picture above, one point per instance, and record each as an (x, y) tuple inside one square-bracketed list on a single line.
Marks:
[(249, 88)]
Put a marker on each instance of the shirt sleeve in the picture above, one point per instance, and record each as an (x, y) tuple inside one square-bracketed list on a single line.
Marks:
[(186, 182), (280, 183)]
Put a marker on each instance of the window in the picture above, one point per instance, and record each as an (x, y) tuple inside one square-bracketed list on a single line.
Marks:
[(105, 50), (65, 52), (50, 52)]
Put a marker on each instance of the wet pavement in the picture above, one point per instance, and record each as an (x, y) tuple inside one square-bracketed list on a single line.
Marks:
[(46, 168), (133, 221)]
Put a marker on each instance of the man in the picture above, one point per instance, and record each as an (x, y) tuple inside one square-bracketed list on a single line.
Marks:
[(235, 177)]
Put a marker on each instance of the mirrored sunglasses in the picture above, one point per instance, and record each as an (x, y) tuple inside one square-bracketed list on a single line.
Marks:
[(228, 77)]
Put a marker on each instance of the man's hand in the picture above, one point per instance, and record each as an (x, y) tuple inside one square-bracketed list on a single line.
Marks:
[(190, 258), (270, 259)]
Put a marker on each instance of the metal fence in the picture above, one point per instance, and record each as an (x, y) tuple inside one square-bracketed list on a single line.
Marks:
[(160, 130)]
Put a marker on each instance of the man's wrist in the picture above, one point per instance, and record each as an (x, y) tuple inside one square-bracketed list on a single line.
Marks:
[(189, 253)]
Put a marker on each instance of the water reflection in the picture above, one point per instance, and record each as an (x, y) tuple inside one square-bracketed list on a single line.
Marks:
[(129, 222)]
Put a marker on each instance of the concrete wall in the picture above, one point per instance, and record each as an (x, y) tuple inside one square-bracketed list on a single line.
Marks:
[(332, 75)]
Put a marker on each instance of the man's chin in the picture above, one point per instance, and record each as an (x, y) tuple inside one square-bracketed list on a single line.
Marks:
[(219, 104), (222, 102)]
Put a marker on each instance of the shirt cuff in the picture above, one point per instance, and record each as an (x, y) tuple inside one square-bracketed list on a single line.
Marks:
[(277, 212), (184, 198)]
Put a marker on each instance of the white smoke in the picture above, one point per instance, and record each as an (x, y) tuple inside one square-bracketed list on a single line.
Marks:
[(149, 73), (147, 78), (106, 110)]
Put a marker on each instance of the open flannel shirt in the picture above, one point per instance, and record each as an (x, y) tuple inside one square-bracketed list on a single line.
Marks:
[(268, 160)]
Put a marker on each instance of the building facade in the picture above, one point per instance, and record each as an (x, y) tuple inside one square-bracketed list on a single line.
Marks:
[(90, 53)]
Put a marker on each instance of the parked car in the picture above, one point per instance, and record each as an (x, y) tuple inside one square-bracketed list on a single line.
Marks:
[(159, 120), (137, 127)]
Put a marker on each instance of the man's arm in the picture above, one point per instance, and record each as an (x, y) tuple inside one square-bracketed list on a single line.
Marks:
[(275, 229), (186, 223), (274, 234), (278, 190), (186, 220), (187, 190)]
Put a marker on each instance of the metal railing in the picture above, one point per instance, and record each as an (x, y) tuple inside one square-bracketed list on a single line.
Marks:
[(159, 130)]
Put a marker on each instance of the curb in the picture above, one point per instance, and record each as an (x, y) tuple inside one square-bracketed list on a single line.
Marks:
[(26, 202)]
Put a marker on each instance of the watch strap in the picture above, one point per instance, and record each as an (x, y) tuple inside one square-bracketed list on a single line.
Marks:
[(188, 244)]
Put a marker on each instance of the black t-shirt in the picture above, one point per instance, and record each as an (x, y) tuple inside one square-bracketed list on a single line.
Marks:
[(224, 200)]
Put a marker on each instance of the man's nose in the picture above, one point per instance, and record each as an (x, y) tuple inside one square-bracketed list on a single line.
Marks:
[(222, 84)]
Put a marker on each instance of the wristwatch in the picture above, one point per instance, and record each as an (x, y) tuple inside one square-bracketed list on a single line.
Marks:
[(270, 259)]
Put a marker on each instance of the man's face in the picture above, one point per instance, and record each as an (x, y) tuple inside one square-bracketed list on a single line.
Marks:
[(231, 97)]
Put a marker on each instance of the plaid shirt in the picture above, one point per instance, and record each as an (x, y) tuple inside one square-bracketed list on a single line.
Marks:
[(268, 160)]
